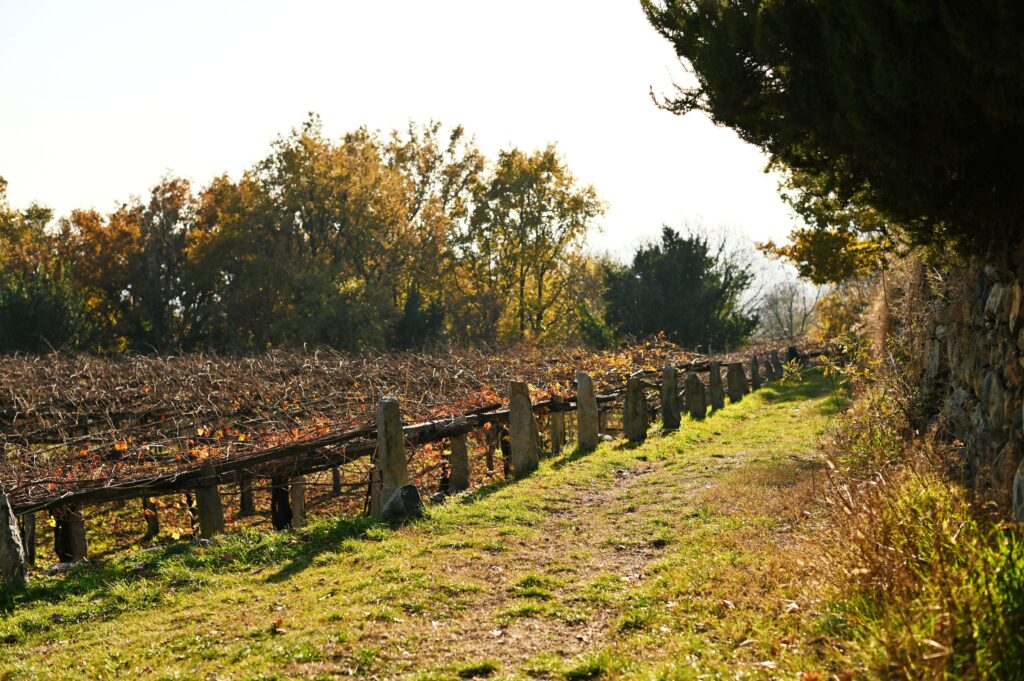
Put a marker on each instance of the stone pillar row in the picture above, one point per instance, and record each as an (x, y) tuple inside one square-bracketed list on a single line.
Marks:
[(391, 494)]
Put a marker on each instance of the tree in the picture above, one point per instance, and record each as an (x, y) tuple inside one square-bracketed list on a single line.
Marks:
[(129, 266), (39, 308), (305, 248), (787, 310), (443, 173), (912, 109), (420, 322), (100, 254), (156, 285), (525, 237), (685, 288), (369, 240), (842, 242)]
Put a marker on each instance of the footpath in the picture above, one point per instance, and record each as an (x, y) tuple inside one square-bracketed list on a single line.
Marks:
[(688, 556)]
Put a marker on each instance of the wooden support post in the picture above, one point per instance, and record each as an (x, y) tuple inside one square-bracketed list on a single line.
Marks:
[(458, 460), (696, 402), (737, 381), (670, 418), (246, 503), (69, 541), (193, 512), (523, 430), (556, 425), (297, 498), (505, 444), (13, 570), (755, 373), (491, 441), (390, 469), (715, 391), (152, 519), (588, 427), (336, 481), (27, 525), (634, 411), (280, 503), (208, 505)]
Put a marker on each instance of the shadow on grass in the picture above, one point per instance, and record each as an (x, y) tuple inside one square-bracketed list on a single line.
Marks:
[(575, 455), (170, 565), (184, 564), (321, 538)]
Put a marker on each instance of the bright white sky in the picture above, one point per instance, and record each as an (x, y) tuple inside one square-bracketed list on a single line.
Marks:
[(99, 99)]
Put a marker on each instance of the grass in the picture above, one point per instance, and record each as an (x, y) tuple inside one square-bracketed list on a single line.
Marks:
[(675, 559)]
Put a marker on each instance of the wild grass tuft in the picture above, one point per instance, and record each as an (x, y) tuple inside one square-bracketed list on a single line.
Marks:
[(931, 585), (938, 591), (479, 669)]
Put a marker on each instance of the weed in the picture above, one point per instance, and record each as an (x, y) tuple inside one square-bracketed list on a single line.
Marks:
[(478, 670), (594, 666)]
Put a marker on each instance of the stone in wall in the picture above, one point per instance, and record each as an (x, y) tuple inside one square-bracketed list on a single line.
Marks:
[(971, 357)]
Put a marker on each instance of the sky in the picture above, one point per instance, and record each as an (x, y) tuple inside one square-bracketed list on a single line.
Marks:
[(98, 100)]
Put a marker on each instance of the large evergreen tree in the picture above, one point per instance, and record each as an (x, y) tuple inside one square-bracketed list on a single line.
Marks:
[(683, 287), (911, 107)]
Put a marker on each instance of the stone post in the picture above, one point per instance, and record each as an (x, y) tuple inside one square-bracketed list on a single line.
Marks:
[(634, 412), (246, 503), (208, 506), (587, 423), (670, 398), (696, 403), (715, 390), (13, 570), (755, 375), (390, 468), (556, 424), (737, 382), (525, 440), (297, 498), (459, 460)]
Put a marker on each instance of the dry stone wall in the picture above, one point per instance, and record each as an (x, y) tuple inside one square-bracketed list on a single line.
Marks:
[(967, 354)]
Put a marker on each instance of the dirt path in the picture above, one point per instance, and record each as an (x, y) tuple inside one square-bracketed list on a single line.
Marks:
[(628, 562)]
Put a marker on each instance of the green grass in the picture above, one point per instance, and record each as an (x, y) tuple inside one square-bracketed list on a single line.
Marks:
[(674, 559)]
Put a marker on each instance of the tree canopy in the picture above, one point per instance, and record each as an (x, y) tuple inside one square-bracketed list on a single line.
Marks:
[(684, 287), (912, 108), (368, 241)]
